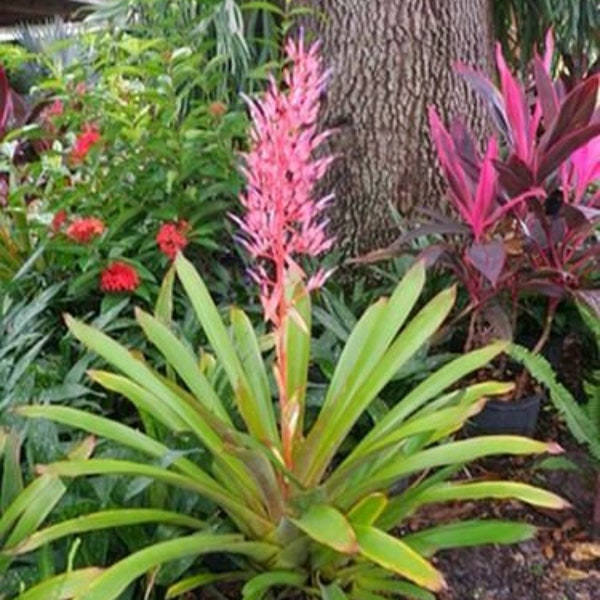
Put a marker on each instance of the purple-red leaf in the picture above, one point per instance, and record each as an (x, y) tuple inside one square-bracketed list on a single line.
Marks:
[(561, 150), (467, 149), (546, 92), (576, 111), (515, 176), (486, 89), (488, 259)]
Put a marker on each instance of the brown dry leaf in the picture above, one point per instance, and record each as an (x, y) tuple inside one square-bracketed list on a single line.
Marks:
[(548, 551), (574, 574), (586, 551), (569, 524)]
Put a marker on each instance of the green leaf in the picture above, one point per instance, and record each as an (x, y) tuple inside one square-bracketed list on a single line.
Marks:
[(257, 587), (142, 399), (468, 533), (393, 586), (249, 351), (493, 489), (332, 592), (196, 581), (331, 429), (585, 430), (460, 452), (259, 424), (183, 361), (114, 580), (360, 594), (296, 334), (122, 359), (245, 518), (104, 520), (12, 478), (30, 508), (398, 557), (329, 527), (557, 463), (368, 509), (372, 335), (435, 384), (62, 587), (163, 309), (112, 430)]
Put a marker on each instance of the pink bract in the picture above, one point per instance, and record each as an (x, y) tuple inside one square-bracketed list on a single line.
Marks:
[(283, 221)]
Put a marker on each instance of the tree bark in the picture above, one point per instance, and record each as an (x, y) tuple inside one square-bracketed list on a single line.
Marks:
[(390, 60)]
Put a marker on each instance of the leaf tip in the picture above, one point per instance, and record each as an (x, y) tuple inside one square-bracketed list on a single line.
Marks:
[(554, 448)]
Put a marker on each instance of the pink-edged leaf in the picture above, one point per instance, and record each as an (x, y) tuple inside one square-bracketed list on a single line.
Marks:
[(576, 111), (546, 92), (510, 205), (514, 176), (466, 148), (561, 150), (591, 298), (584, 168), (488, 259), (485, 196), (516, 107), (480, 84), (448, 158)]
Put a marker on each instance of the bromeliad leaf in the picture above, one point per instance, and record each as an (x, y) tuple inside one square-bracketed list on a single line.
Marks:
[(396, 556), (468, 533), (328, 526)]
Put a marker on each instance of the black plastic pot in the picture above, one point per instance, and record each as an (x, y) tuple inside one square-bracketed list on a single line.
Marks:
[(518, 417)]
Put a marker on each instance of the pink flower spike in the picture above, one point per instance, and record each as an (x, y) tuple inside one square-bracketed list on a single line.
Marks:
[(283, 220)]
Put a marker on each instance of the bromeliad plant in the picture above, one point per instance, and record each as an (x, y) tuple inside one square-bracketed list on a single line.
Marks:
[(292, 510)]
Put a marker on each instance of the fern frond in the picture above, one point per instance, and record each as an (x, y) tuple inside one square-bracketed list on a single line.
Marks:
[(579, 422)]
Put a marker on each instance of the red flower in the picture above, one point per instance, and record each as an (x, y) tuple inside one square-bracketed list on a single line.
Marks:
[(85, 229), (171, 238), (84, 142), (58, 221), (119, 277)]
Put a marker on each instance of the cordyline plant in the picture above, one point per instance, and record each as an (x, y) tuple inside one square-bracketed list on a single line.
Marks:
[(527, 212), (296, 514)]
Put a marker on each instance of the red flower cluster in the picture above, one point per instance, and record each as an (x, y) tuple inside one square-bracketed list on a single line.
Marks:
[(171, 238), (82, 230), (119, 277), (84, 142)]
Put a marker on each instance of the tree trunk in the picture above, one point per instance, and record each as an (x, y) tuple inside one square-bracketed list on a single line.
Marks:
[(390, 60)]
